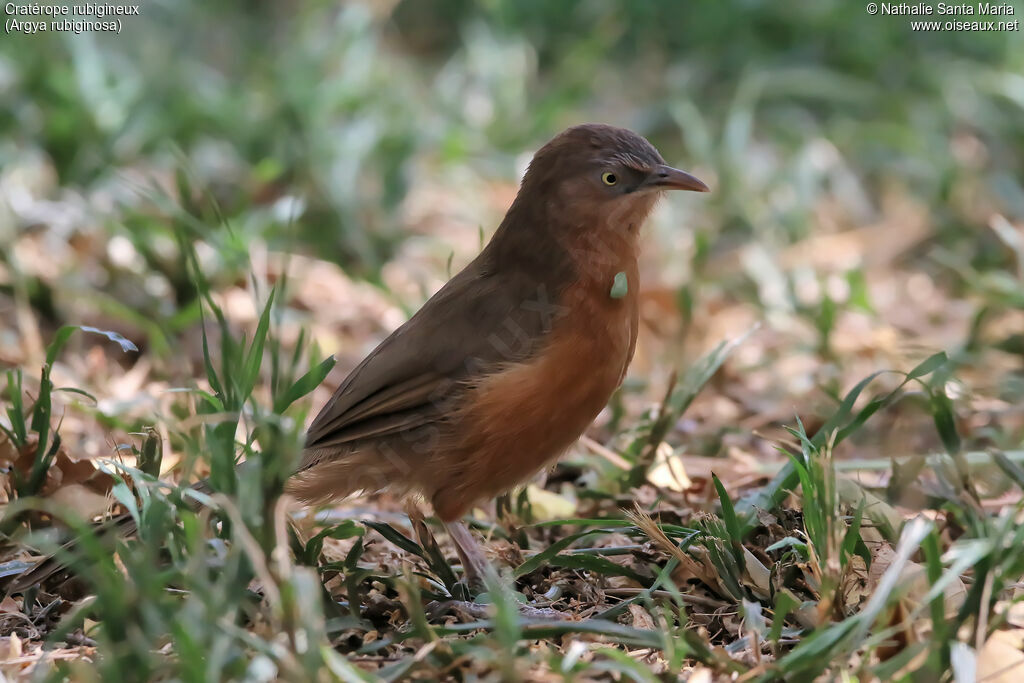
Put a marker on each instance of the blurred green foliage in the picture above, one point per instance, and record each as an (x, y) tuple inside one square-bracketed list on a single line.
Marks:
[(332, 102)]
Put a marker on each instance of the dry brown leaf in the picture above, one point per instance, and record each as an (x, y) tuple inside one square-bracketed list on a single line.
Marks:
[(668, 471), (547, 505), (641, 618), (82, 500), (914, 579), (1015, 611), (1001, 659), (10, 648), (64, 471), (9, 606), (758, 576)]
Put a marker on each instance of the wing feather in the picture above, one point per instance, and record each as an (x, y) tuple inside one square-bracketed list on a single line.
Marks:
[(480, 319)]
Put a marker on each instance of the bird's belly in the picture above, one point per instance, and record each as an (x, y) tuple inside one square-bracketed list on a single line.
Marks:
[(515, 421)]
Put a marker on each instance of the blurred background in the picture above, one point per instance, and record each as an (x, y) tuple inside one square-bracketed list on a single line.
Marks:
[(867, 205), (344, 159)]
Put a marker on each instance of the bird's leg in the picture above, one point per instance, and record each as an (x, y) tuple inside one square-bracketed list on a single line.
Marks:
[(475, 567), (474, 562)]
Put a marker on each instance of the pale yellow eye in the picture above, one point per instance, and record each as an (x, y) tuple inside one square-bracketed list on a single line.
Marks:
[(609, 178)]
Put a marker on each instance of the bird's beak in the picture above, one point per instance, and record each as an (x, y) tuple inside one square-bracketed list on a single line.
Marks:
[(668, 178)]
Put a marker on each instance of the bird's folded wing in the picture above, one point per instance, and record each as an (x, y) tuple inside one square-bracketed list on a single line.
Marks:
[(387, 411), (473, 324)]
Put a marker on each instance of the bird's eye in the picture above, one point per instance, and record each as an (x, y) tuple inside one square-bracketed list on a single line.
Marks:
[(609, 178)]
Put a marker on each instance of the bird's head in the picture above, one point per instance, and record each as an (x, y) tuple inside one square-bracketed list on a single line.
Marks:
[(595, 175)]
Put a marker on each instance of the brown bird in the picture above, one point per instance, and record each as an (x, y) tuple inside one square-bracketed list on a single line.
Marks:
[(505, 366)]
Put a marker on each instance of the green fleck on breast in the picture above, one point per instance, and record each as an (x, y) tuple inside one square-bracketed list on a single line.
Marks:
[(619, 286)]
